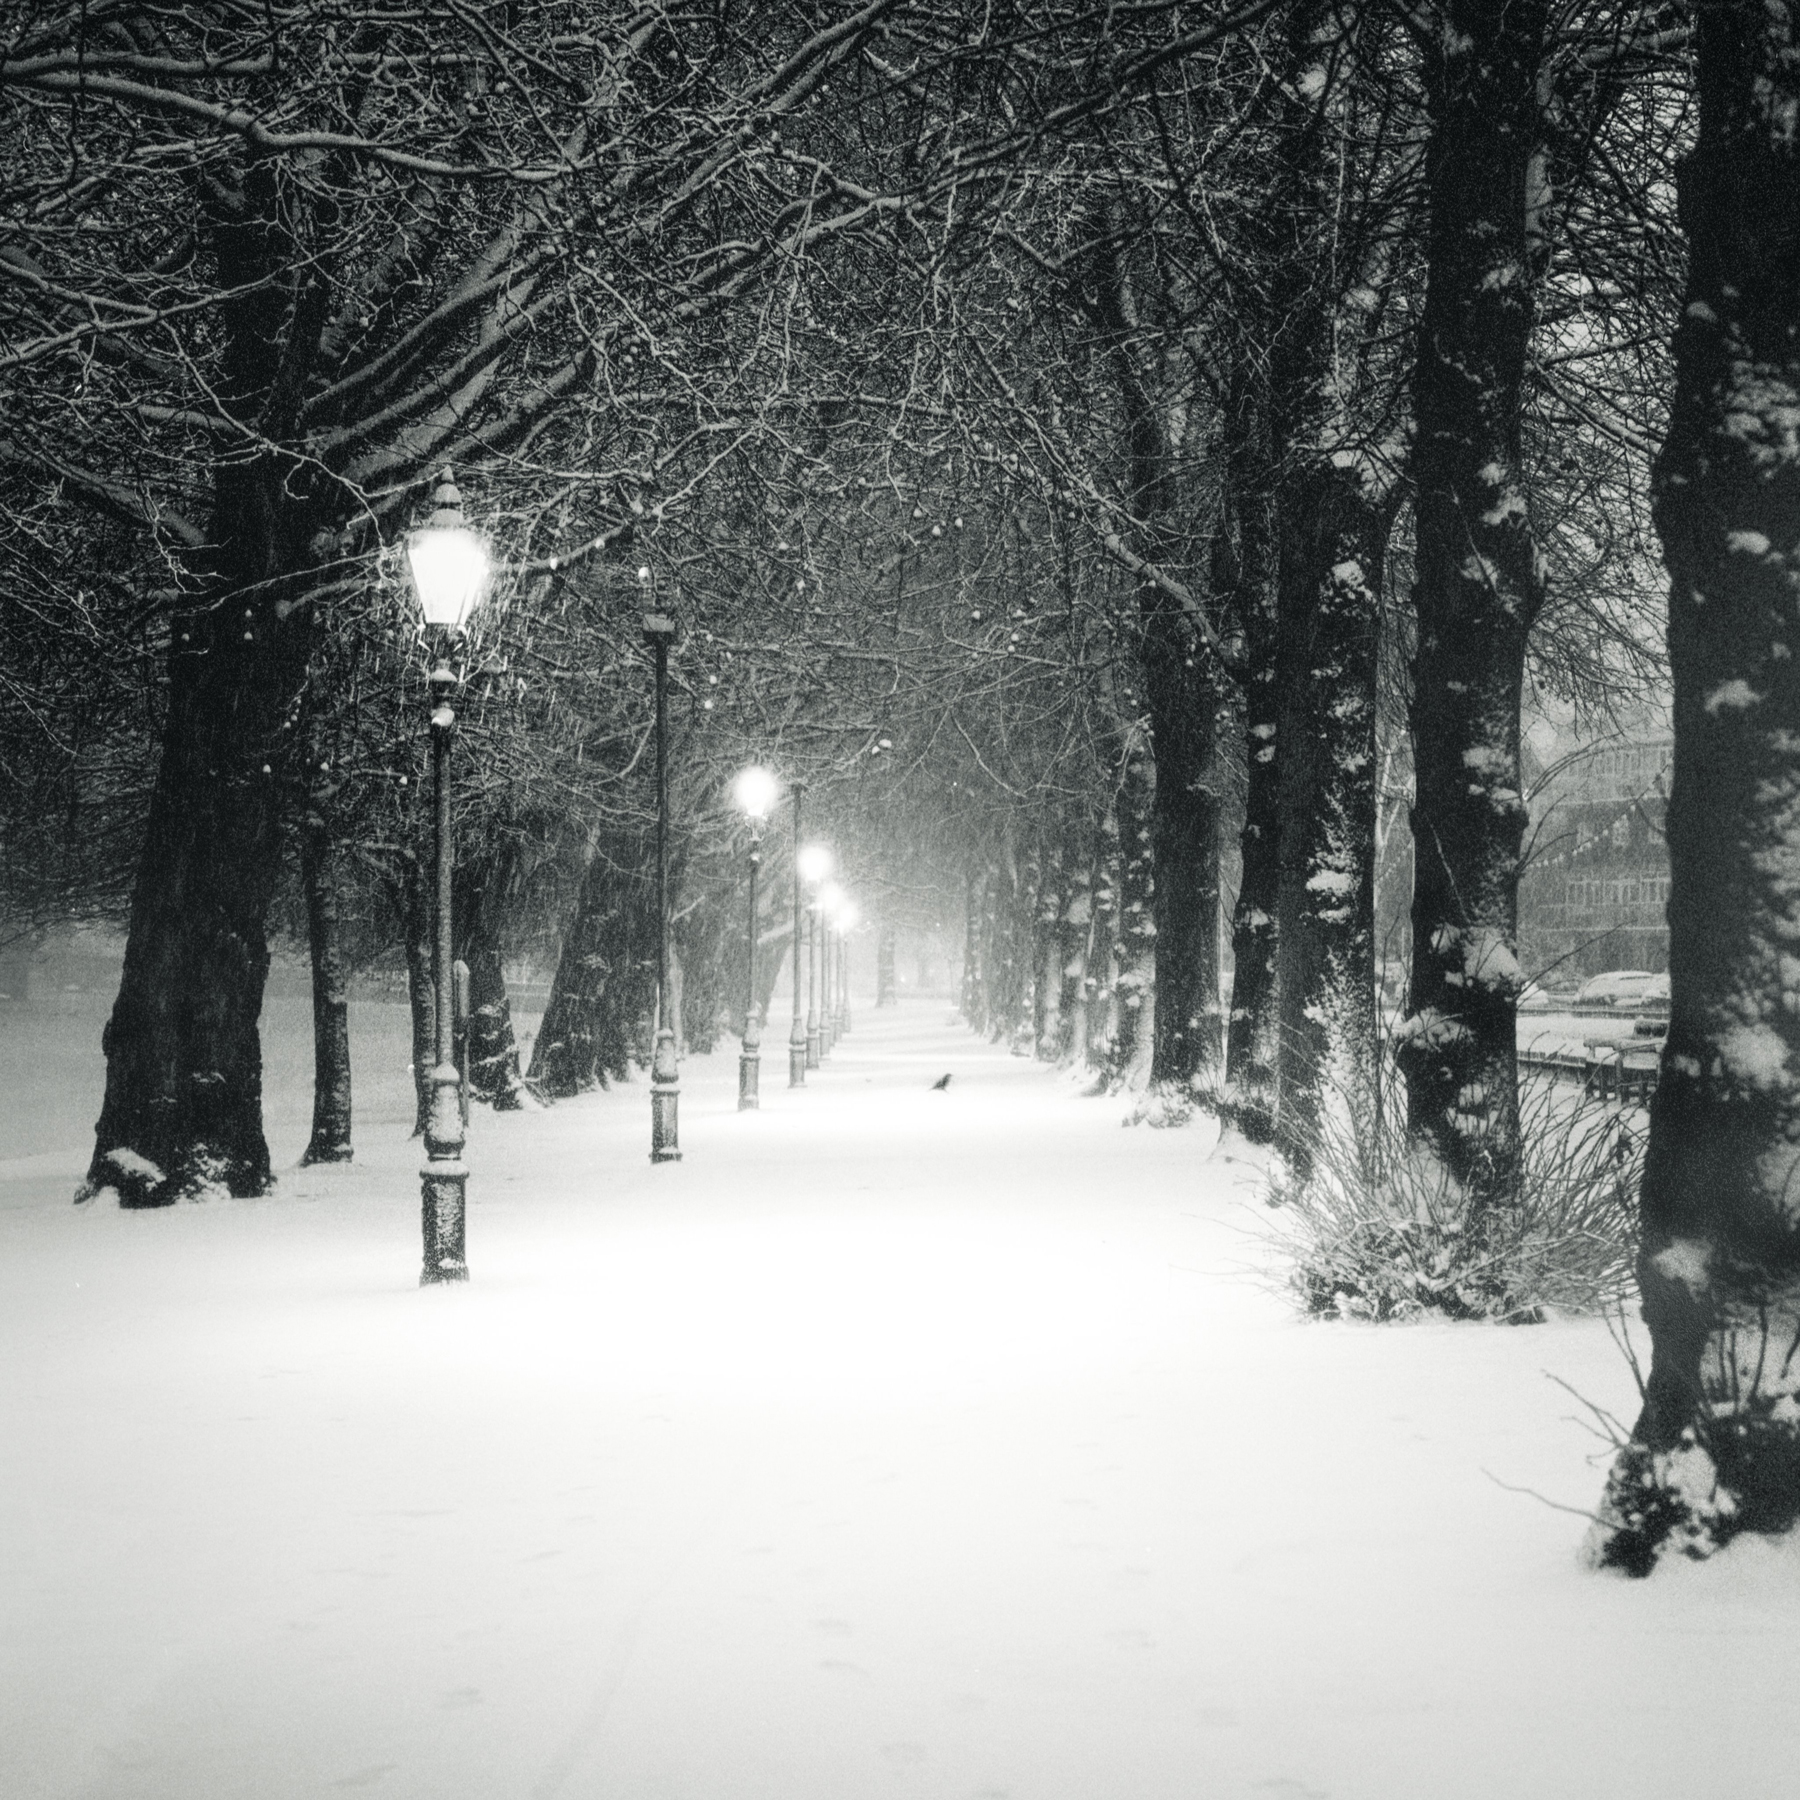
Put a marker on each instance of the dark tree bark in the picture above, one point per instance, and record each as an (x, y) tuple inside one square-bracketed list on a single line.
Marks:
[(412, 895), (1101, 986), (330, 1140), (1253, 1032), (482, 887), (1181, 689), (700, 940), (1184, 710), (1335, 535), (183, 1107), (605, 977), (1479, 586), (1134, 987), (1715, 1450)]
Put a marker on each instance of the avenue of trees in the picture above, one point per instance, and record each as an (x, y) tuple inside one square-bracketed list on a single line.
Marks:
[(1130, 463)]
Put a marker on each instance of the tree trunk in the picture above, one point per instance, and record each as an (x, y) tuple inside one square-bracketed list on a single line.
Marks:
[(1479, 586), (1102, 984), (1253, 1031), (1184, 728), (605, 978), (415, 908), (183, 1109), (1332, 551), (182, 1115), (482, 885), (708, 993), (884, 967), (974, 976), (330, 1140), (1047, 985), (1716, 1450), (1135, 1015)]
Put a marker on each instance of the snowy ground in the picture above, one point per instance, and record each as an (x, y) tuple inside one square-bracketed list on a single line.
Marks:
[(893, 1443)]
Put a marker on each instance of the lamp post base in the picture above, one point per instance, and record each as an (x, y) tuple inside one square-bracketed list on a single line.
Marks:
[(443, 1188), (444, 1183), (797, 1063), (665, 1129), (749, 1078), (812, 1046)]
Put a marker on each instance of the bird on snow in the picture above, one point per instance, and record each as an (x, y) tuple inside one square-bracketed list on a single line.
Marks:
[(942, 1082)]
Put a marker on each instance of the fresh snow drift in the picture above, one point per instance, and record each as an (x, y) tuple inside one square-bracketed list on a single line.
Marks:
[(895, 1442)]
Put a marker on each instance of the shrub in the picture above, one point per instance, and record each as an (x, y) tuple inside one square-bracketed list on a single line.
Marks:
[(1376, 1229)]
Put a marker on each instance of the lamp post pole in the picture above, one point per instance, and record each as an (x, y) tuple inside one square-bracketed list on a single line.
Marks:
[(750, 1058), (445, 1177), (827, 959), (449, 567), (665, 1076), (797, 1033)]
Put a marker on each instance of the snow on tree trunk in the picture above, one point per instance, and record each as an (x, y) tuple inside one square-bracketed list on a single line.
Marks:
[(183, 1107), (605, 975), (331, 1120), (482, 885), (1333, 541), (1076, 942), (1102, 983), (1479, 584), (1253, 1032), (1716, 1449), (1134, 986), (1184, 709)]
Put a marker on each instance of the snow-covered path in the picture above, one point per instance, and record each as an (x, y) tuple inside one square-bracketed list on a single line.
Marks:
[(894, 1442)]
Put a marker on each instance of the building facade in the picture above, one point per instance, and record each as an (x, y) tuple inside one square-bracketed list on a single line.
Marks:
[(1594, 890)]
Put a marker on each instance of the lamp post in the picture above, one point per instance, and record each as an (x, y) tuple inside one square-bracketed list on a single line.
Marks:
[(797, 1034), (814, 864), (756, 790), (831, 897), (665, 1075), (449, 566)]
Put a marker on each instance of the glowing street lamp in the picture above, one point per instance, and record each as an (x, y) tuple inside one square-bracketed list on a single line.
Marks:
[(813, 861), (756, 791), (665, 1073), (449, 567)]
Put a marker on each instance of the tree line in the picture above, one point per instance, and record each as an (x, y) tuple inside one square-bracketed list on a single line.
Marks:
[(1130, 463)]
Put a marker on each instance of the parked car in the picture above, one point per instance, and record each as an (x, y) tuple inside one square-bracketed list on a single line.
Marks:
[(1654, 1002), (1617, 987), (1547, 993)]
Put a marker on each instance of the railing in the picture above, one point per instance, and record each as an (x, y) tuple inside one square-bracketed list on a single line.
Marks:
[(1622, 1072)]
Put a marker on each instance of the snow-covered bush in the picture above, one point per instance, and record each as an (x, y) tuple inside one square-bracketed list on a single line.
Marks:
[(1378, 1230)]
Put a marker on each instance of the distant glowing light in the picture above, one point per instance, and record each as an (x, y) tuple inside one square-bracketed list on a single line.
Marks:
[(815, 863), (831, 897)]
